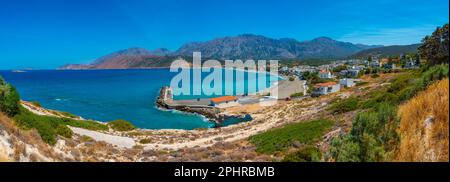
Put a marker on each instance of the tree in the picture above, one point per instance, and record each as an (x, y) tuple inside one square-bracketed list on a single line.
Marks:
[(2, 81), (339, 68), (434, 48), (344, 149), (9, 102)]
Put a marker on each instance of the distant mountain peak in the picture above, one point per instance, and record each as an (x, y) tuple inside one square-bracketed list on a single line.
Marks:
[(161, 52), (323, 39)]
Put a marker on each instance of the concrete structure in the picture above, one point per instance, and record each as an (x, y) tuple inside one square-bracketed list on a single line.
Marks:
[(348, 82), (353, 72), (224, 101), (411, 65), (343, 73), (374, 63), (326, 88)]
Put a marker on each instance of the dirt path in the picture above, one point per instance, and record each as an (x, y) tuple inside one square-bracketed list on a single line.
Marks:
[(124, 142)]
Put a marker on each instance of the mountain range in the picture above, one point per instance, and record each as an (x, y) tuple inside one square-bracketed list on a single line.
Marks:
[(387, 51), (246, 46)]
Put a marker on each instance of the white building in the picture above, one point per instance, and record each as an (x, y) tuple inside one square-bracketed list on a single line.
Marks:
[(224, 101), (325, 74), (348, 82), (326, 88)]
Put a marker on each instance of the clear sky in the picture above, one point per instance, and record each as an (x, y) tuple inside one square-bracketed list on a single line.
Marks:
[(49, 33)]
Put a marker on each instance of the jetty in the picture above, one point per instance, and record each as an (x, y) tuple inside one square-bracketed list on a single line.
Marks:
[(203, 106), (199, 106)]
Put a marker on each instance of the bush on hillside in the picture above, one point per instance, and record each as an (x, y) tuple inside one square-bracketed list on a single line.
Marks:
[(64, 131), (299, 94), (371, 138), (49, 127), (344, 105), (306, 154), (278, 140), (121, 125), (9, 100)]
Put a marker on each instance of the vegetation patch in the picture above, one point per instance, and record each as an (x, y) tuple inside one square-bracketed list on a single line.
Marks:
[(49, 127), (64, 131), (344, 105), (306, 154), (121, 125), (300, 94), (371, 138), (424, 125), (361, 83), (278, 140), (145, 141)]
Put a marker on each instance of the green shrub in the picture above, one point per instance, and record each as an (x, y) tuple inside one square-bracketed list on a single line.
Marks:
[(306, 154), (49, 127), (44, 125), (64, 131), (372, 136), (291, 78), (145, 141), (278, 140), (406, 86), (121, 125), (300, 94), (345, 105), (2, 81), (375, 75), (344, 149), (361, 83), (9, 100), (70, 115), (86, 124)]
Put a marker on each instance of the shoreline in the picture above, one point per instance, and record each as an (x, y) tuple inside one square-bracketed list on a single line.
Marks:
[(264, 118), (174, 111)]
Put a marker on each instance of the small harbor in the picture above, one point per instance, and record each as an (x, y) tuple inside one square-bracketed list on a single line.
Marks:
[(211, 108)]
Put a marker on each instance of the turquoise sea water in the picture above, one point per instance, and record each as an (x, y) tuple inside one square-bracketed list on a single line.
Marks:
[(107, 95)]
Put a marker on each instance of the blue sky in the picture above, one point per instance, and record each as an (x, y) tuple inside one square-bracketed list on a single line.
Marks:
[(46, 34)]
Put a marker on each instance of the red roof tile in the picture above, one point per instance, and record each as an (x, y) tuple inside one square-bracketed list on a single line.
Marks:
[(224, 99)]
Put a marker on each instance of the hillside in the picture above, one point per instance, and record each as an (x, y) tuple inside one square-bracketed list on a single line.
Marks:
[(245, 46), (387, 51), (129, 58), (424, 125)]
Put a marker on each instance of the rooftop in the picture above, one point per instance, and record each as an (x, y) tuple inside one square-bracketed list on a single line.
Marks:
[(224, 99)]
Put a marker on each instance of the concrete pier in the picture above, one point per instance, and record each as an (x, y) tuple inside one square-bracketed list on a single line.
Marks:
[(201, 106)]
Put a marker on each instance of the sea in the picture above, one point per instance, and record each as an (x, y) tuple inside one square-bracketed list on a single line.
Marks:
[(106, 95)]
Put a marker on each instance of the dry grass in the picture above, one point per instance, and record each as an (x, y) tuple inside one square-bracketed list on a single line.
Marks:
[(421, 140)]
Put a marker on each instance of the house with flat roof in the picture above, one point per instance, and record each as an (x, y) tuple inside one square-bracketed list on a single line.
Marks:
[(326, 88), (348, 82), (224, 101)]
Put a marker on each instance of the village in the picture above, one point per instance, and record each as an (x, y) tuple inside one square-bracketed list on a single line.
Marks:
[(330, 78)]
